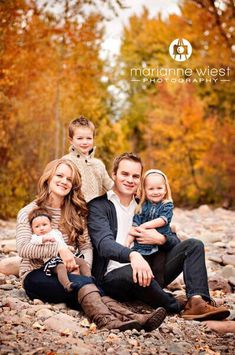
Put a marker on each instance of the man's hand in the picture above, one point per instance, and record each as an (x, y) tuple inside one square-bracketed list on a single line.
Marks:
[(68, 259), (149, 236), (142, 272)]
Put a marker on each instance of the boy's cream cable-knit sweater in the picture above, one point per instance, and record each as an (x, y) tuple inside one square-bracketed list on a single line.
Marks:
[(95, 179)]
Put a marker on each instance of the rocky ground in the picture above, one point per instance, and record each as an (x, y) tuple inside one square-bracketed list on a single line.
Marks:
[(35, 328)]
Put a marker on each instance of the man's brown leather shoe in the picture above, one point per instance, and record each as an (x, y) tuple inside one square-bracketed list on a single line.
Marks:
[(198, 309)]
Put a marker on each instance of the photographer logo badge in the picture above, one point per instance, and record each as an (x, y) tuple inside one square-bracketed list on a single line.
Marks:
[(180, 49)]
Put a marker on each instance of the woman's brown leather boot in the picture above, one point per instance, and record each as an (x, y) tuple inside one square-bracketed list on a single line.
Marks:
[(93, 306), (148, 322)]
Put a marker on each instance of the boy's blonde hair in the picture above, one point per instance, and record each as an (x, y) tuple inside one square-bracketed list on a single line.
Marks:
[(167, 198), (80, 122)]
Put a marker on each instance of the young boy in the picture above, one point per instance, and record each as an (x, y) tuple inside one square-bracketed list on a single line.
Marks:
[(40, 221), (95, 179)]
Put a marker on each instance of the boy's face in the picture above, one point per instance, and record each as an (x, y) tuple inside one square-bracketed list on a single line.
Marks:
[(82, 139), (41, 225)]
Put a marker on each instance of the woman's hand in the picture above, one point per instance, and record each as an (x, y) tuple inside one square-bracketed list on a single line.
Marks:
[(149, 236), (68, 259)]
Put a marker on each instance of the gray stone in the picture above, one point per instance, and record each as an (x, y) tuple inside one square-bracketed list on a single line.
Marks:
[(10, 266), (62, 322), (36, 301), (228, 259), (16, 304), (2, 279), (44, 313), (215, 258), (221, 327), (228, 271), (209, 237), (6, 287), (8, 245), (218, 283), (231, 244), (204, 210), (231, 280), (83, 349), (220, 244), (179, 348)]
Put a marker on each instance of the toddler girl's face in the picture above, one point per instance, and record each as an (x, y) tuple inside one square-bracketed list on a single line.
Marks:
[(83, 139), (155, 188), (41, 225)]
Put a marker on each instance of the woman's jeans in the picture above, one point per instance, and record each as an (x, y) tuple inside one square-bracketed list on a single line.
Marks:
[(48, 289), (187, 256)]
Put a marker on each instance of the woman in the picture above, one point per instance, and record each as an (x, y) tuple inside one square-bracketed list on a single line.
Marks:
[(59, 191)]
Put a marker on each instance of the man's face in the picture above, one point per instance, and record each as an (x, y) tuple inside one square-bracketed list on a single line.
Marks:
[(127, 178)]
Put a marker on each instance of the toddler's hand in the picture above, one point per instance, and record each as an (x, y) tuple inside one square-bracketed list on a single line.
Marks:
[(144, 225), (132, 231), (130, 240)]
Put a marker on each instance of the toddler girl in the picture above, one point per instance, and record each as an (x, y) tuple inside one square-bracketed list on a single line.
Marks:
[(155, 210)]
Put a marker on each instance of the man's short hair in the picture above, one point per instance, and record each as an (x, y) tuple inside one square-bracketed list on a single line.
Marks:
[(80, 122), (126, 156)]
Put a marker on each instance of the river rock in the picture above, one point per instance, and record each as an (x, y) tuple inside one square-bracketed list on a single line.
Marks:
[(63, 323), (228, 271), (204, 210), (218, 283), (231, 280), (231, 244), (8, 246), (16, 304), (209, 237), (216, 258), (226, 326), (228, 259), (44, 313), (10, 266)]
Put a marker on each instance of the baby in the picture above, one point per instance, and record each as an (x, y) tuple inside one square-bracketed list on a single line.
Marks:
[(40, 221)]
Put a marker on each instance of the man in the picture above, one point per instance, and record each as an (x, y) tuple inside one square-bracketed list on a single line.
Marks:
[(124, 274)]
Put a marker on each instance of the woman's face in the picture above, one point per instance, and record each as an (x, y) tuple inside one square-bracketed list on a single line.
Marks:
[(60, 184)]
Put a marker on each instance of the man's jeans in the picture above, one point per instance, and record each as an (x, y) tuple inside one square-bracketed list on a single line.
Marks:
[(187, 256)]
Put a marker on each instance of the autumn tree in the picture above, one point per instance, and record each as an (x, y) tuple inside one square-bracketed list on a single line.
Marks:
[(51, 72), (175, 126)]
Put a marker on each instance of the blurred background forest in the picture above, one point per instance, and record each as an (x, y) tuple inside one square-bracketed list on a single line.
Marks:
[(51, 71)]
